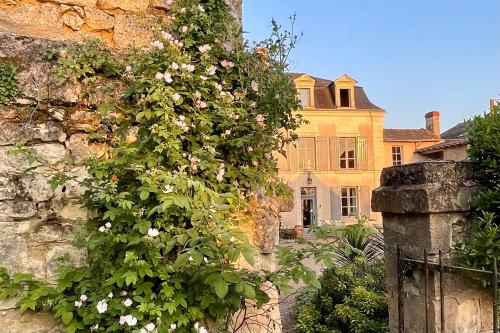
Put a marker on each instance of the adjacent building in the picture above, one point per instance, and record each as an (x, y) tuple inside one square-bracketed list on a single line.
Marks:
[(401, 146)]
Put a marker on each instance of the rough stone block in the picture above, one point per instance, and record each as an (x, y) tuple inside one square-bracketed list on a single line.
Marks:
[(47, 131), (127, 5), (14, 322), (77, 258), (97, 20), (133, 30), (12, 210), (82, 3), (15, 257), (73, 20), (426, 187)]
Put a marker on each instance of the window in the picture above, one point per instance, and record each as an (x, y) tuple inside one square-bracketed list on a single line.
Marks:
[(345, 100), (307, 154), (305, 97), (397, 155), (349, 197), (347, 148)]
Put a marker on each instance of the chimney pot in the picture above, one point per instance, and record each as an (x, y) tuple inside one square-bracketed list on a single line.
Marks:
[(432, 123)]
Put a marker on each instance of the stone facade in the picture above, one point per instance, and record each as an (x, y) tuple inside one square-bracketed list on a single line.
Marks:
[(36, 223), (427, 205), (121, 23)]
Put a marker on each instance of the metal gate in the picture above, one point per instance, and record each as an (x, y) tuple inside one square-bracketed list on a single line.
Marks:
[(405, 264)]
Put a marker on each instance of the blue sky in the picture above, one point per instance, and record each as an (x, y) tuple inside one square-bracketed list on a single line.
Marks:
[(411, 56)]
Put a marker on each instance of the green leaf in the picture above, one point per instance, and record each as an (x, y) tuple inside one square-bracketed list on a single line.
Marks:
[(66, 318), (144, 195), (221, 288)]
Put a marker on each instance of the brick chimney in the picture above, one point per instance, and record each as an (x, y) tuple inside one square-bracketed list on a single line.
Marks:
[(432, 123)]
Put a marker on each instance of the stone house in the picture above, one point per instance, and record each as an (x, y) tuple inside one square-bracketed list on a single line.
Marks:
[(337, 160), (341, 151)]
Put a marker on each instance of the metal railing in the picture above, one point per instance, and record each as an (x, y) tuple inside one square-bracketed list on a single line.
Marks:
[(405, 264)]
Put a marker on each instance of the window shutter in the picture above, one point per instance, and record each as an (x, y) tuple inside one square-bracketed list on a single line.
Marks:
[(336, 202), (362, 153), (322, 156), (283, 161), (292, 156), (365, 201), (334, 154)]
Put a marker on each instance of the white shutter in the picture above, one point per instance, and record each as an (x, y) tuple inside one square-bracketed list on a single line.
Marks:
[(322, 155), (336, 203)]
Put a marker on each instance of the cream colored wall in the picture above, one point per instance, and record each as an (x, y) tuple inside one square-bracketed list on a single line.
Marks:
[(455, 154), (409, 148), (331, 123)]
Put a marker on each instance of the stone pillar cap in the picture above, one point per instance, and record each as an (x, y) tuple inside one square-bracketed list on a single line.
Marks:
[(427, 187)]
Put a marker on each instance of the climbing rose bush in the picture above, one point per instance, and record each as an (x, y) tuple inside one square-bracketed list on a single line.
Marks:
[(193, 141)]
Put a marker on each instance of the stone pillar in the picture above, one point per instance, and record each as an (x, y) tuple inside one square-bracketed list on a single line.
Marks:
[(427, 205)]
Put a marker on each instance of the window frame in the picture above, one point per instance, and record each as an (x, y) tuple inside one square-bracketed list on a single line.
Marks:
[(352, 210), (309, 90), (396, 154), (344, 149), (348, 90), (302, 152)]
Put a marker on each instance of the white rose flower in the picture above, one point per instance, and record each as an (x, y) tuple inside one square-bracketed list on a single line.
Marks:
[(159, 76), (83, 298), (153, 232), (102, 306), (176, 97), (108, 225), (150, 327), (127, 302), (78, 304)]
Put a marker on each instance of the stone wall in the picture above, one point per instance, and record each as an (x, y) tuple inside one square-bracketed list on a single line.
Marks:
[(36, 224), (427, 205), (121, 23)]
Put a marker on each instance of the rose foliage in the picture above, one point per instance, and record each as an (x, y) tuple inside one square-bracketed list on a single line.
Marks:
[(193, 141)]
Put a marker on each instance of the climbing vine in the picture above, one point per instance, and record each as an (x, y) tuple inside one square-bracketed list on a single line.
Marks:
[(193, 143), (8, 82)]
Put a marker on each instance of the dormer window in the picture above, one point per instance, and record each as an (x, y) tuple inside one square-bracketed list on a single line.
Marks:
[(344, 92), (345, 98), (305, 97)]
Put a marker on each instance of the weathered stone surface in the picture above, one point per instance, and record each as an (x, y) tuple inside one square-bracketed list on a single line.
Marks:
[(128, 5), (73, 211), (14, 228), (98, 20), (11, 210), (73, 20), (14, 322), (47, 131), (15, 257), (160, 4), (74, 2), (7, 188), (426, 206), (54, 232), (133, 30), (426, 187), (35, 185), (77, 258), (47, 15)]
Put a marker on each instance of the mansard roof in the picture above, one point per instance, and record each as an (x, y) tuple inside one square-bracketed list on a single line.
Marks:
[(324, 93)]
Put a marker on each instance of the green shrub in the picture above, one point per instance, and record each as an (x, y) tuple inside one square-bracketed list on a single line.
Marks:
[(8, 82), (483, 136), (352, 298)]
